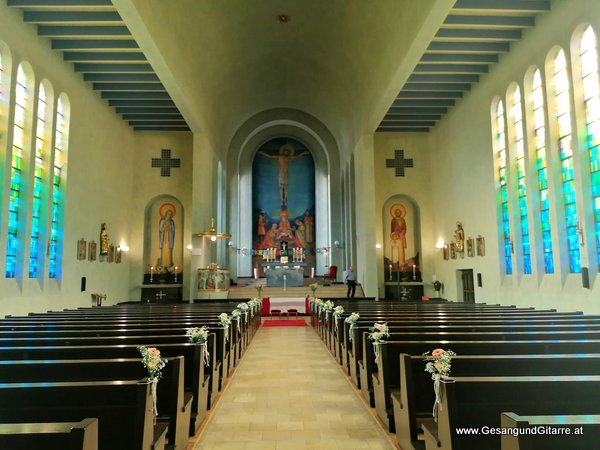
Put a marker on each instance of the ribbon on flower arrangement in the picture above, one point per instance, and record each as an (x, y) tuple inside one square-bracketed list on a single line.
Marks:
[(205, 354), (154, 386)]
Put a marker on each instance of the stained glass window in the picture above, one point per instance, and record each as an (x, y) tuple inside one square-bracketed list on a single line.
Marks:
[(563, 112), (519, 147), (38, 174), (503, 190), (61, 130), (21, 105), (539, 125), (589, 74)]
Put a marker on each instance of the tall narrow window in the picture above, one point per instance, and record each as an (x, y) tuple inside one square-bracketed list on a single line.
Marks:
[(563, 112), (502, 179), (21, 105), (38, 173), (539, 126), (60, 147), (519, 147), (589, 73)]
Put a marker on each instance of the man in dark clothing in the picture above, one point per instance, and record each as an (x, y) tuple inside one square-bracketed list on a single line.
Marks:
[(351, 281)]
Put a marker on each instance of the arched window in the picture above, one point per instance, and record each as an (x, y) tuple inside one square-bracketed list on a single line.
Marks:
[(539, 125), (563, 113), (22, 105), (502, 180), (589, 74), (59, 161), (519, 148), (40, 173)]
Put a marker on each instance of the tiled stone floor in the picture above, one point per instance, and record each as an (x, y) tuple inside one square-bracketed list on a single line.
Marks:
[(289, 393)]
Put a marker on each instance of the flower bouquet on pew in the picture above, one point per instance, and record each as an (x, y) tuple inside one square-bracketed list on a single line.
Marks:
[(377, 333), (153, 363), (438, 365), (337, 313), (200, 336), (236, 315), (352, 319), (243, 307), (225, 321)]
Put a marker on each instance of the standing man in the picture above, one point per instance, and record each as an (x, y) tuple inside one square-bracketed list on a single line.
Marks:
[(351, 281)]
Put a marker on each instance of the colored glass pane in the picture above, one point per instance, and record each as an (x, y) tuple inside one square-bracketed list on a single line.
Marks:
[(502, 181)]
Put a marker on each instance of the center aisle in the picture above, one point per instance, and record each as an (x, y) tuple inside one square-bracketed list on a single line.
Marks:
[(289, 393)]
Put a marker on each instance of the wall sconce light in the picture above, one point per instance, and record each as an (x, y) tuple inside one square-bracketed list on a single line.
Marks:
[(440, 245), (337, 244), (189, 247), (377, 246)]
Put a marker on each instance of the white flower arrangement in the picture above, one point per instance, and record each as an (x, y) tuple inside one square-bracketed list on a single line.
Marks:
[(338, 311), (152, 361), (197, 335), (318, 302), (328, 305), (236, 314), (438, 365), (255, 303), (352, 319), (243, 307), (378, 332), (224, 319)]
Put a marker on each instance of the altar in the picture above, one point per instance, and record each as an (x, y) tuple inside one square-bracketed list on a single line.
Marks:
[(284, 275)]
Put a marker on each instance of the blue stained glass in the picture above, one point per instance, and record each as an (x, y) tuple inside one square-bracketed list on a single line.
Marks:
[(527, 264)]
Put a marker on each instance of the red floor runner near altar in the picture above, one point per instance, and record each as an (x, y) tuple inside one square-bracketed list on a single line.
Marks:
[(284, 323)]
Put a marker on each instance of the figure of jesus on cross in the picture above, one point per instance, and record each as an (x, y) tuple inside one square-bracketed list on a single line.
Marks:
[(286, 155)]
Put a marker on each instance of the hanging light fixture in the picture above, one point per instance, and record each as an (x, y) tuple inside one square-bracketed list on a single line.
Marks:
[(212, 232)]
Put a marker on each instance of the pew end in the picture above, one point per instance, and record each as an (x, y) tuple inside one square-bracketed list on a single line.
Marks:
[(50, 436)]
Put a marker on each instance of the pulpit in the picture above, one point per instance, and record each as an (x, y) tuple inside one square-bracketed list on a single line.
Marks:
[(213, 283)]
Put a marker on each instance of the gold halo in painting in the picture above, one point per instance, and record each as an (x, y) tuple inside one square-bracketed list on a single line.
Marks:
[(162, 211), (399, 206)]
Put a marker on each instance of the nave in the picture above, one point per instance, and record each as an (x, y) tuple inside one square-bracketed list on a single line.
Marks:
[(289, 393)]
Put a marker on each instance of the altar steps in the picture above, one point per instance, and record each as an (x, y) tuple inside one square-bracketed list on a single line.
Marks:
[(248, 290)]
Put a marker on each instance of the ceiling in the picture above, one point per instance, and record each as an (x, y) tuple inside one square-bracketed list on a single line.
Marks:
[(98, 43)]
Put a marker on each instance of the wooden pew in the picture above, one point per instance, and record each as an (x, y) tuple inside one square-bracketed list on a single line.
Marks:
[(413, 401), (174, 406), (390, 353), (50, 436), (123, 409), (477, 403), (549, 432), (194, 379)]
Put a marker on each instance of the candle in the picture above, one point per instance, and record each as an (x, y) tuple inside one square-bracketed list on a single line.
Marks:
[(390, 272), (414, 271)]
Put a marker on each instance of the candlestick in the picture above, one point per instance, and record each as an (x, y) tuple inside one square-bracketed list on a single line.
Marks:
[(390, 272), (151, 273), (175, 274), (414, 272)]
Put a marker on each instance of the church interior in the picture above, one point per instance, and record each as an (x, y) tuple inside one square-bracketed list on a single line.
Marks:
[(395, 112), (175, 157)]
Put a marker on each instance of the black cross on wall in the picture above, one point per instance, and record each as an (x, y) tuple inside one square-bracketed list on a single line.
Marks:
[(399, 163), (165, 162)]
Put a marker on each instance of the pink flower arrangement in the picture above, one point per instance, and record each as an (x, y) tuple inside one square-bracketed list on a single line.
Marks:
[(152, 361)]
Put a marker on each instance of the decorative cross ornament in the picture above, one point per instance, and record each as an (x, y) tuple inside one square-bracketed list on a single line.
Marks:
[(165, 162), (399, 163), (160, 295)]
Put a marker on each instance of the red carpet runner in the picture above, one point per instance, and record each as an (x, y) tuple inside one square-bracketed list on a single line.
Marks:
[(284, 323)]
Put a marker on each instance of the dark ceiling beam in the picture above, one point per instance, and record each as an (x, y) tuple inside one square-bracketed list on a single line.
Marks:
[(480, 47), (135, 95), (82, 31), (417, 110), (128, 87), (122, 110), (405, 117), (490, 21), (437, 87), (402, 130), (94, 44), (58, 3), (429, 94), (142, 103), (69, 17), (423, 102), (478, 34), (159, 128), (113, 68), (174, 123), (387, 123), (463, 58), (121, 77), (104, 56), (451, 68), (443, 78), (532, 6), (163, 117)]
